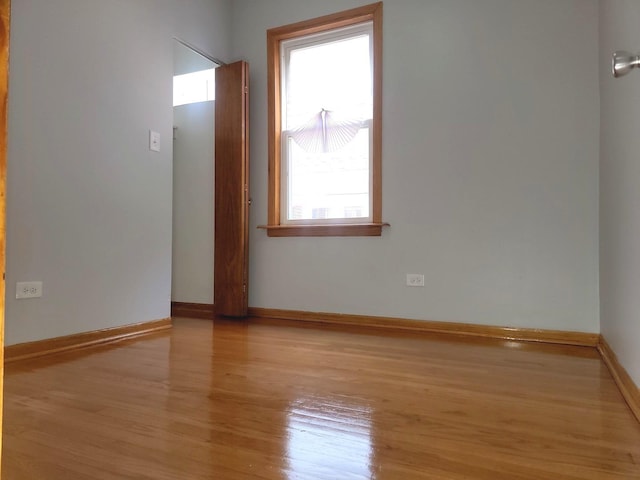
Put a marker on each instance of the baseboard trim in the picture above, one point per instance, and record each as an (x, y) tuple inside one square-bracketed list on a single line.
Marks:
[(625, 383), (77, 341), (405, 325), (193, 310)]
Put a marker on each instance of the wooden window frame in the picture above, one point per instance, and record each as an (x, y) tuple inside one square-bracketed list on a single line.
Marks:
[(368, 13)]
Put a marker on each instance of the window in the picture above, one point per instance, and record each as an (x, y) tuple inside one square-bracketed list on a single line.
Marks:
[(325, 79), (194, 87)]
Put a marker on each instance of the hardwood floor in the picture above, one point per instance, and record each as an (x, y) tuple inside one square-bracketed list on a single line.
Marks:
[(233, 400)]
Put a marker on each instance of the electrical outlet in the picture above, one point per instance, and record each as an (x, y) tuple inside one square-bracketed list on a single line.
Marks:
[(415, 280), (28, 290)]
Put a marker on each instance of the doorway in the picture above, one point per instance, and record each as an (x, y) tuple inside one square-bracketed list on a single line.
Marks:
[(193, 177)]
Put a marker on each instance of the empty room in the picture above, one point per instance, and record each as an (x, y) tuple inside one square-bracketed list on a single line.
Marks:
[(370, 240)]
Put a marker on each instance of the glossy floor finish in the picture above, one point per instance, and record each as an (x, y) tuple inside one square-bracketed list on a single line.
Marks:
[(256, 401)]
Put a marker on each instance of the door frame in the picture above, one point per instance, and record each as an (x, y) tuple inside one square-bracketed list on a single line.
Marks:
[(5, 16)]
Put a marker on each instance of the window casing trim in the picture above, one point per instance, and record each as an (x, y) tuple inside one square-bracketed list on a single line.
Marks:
[(287, 47), (368, 13)]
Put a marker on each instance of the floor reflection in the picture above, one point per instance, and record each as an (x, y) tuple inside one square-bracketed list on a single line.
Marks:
[(328, 435)]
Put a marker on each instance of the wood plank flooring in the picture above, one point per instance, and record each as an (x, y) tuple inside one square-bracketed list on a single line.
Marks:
[(236, 400)]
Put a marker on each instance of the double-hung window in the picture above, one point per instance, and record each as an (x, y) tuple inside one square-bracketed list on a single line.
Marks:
[(325, 125)]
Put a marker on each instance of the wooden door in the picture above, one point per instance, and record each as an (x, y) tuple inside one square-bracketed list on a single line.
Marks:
[(4, 70), (231, 237)]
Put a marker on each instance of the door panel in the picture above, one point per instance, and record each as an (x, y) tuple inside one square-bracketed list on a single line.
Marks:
[(231, 190)]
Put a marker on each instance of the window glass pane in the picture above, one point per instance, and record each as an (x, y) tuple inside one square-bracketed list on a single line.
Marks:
[(329, 185), (328, 92), (334, 76), (194, 87)]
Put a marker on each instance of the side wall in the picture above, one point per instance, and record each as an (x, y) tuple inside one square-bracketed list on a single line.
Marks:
[(490, 168), (619, 192), (89, 206), (193, 179)]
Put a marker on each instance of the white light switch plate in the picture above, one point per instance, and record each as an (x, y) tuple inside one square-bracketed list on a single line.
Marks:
[(154, 141)]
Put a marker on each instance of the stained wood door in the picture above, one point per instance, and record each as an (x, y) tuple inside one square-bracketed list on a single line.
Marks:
[(231, 237)]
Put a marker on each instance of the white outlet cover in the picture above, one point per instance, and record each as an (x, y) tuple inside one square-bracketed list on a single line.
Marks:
[(415, 280), (28, 290), (154, 141)]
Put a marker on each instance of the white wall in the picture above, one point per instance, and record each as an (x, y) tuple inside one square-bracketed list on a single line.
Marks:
[(89, 206), (186, 60), (204, 24), (490, 164), (490, 168), (193, 212), (619, 192)]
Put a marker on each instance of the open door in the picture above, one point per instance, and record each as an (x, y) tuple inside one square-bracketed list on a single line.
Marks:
[(231, 237), (4, 81)]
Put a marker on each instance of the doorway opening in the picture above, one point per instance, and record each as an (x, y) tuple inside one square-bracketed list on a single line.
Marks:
[(193, 176)]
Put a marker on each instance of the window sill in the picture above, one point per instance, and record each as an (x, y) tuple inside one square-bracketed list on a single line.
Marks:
[(332, 230)]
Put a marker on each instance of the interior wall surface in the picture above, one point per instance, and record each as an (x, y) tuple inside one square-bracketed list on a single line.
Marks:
[(89, 206), (619, 194), (490, 168)]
